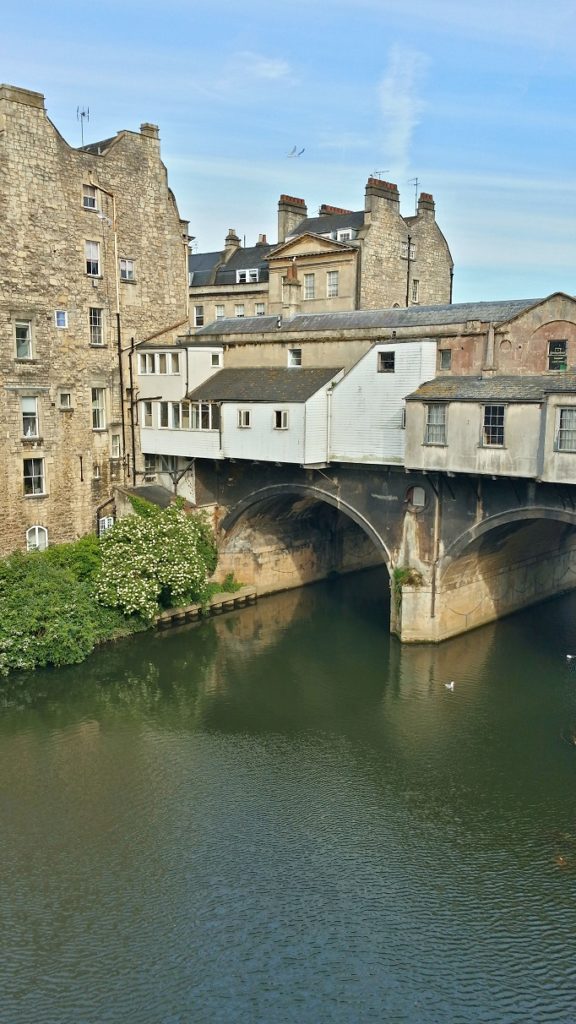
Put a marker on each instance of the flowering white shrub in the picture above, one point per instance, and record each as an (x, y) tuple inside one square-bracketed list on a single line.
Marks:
[(156, 555)]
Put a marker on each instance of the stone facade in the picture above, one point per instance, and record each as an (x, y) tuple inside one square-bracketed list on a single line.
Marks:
[(93, 254), (339, 260)]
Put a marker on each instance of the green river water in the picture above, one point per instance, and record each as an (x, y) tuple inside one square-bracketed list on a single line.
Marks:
[(283, 815)]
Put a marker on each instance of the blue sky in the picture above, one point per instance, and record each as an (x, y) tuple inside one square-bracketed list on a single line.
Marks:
[(476, 100)]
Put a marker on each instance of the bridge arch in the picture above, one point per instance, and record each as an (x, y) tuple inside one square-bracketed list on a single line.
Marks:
[(273, 492), (517, 516)]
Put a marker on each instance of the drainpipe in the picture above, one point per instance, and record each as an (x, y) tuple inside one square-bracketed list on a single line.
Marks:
[(132, 424), (437, 526), (451, 283), (408, 273)]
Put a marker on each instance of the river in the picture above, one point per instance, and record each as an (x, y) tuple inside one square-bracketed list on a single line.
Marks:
[(283, 815)]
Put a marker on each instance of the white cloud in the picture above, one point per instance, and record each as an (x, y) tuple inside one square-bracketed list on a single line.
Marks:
[(401, 104)]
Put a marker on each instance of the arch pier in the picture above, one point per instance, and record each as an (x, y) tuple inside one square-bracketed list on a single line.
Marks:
[(460, 550)]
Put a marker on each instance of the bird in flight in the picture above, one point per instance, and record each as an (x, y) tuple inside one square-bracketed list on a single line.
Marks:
[(450, 685), (295, 152)]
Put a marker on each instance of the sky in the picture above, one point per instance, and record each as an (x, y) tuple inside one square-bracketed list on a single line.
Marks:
[(473, 101)]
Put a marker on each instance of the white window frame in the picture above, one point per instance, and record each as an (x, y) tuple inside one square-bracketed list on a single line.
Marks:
[(566, 434), (344, 235), (219, 311), (36, 538), (104, 524), (199, 316), (244, 419), (281, 418), (309, 286), (386, 361), (248, 276), (126, 269), (115, 448), (36, 477), (415, 290), (65, 400), (96, 326), (239, 310), (147, 414), (89, 197), (62, 316), (294, 357), (435, 428), (146, 363), (92, 257), (23, 345), (259, 309), (29, 413), (215, 359), (174, 364), (98, 397), (332, 284), (494, 424)]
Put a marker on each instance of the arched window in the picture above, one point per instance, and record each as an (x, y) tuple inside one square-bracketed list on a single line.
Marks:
[(37, 538)]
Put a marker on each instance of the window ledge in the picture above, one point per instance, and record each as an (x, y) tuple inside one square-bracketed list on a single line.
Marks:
[(27, 439), (128, 280), (34, 497), (435, 444), (93, 344), (25, 360)]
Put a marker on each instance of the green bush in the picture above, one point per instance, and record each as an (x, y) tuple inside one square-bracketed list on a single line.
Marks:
[(156, 557)]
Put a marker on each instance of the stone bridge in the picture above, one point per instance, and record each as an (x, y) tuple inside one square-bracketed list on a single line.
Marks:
[(460, 550)]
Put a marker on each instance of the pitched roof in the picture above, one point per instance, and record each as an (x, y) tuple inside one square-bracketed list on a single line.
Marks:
[(413, 316), (328, 222), (97, 148), (203, 264), (258, 384), (495, 389)]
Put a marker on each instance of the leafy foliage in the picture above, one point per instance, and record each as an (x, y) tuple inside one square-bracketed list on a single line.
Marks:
[(156, 557)]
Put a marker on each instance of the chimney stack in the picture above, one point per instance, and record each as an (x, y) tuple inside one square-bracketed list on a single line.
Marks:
[(377, 189), (290, 212), (426, 203), (231, 245), (151, 130), (291, 292)]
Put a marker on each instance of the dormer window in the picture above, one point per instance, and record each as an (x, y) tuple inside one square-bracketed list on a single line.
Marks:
[(247, 276), (344, 236)]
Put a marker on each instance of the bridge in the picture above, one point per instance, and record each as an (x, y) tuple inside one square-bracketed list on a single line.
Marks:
[(460, 550)]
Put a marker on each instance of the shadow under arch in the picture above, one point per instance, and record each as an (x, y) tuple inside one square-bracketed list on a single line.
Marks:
[(519, 516), (274, 491)]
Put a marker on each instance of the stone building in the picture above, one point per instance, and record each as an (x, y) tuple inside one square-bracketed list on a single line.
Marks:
[(93, 258), (336, 261)]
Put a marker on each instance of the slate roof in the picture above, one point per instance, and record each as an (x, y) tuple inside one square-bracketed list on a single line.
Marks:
[(258, 384), (203, 264), (413, 316), (157, 495), (494, 389), (96, 148), (328, 222)]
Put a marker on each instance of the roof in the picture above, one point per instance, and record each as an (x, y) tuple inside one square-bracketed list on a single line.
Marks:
[(153, 493), (97, 148), (413, 316), (328, 222), (208, 268), (495, 389), (258, 384)]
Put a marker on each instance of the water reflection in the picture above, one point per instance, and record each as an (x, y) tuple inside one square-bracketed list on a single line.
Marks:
[(283, 815)]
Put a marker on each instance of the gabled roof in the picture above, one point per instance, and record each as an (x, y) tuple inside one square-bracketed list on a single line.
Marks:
[(97, 148), (328, 222), (326, 244), (259, 384), (495, 389)]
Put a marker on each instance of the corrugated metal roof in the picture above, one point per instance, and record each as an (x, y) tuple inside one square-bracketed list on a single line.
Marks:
[(413, 316), (258, 384), (494, 389)]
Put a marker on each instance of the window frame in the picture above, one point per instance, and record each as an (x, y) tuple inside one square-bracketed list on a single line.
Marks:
[(435, 429), (332, 284), (63, 313), (281, 419), (493, 425), (90, 192), (215, 360), (248, 275), (36, 530), (98, 407), (415, 290), (62, 404), (239, 306), (294, 357), (96, 326), (554, 356), (562, 431), (92, 257), (29, 353), (115, 447), (386, 361), (244, 419), (445, 352), (199, 316), (310, 285), (30, 429), (126, 269), (36, 472), (259, 309), (217, 314)]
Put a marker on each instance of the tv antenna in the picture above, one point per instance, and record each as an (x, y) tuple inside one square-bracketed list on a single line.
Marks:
[(378, 174), (82, 114), (415, 182)]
